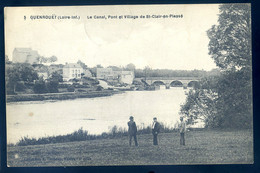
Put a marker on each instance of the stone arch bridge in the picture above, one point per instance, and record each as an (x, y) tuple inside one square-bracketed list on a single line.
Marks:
[(172, 81)]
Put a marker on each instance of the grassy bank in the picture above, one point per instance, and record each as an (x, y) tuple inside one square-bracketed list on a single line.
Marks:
[(59, 96), (202, 147), (82, 135)]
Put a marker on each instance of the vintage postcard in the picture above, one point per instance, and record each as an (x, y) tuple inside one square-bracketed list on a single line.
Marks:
[(128, 85)]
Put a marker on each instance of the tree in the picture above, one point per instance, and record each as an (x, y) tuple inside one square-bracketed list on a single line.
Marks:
[(55, 76), (42, 59), (52, 86), (226, 101), (40, 87), (19, 72), (99, 66), (82, 64), (230, 40), (130, 67), (201, 103)]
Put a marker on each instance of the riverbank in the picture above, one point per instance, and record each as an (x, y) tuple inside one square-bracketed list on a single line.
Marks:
[(60, 96), (232, 147)]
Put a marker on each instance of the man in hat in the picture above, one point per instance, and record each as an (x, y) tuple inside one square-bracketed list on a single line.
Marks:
[(182, 128), (155, 130), (132, 130)]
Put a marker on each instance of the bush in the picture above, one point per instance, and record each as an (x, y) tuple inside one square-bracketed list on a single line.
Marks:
[(20, 87), (99, 88), (52, 86), (82, 135), (71, 88), (40, 87), (63, 85)]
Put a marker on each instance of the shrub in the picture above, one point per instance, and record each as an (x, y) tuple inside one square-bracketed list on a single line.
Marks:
[(20, 87), (99, 88), (40, 87), (71, 88), (52, 86)]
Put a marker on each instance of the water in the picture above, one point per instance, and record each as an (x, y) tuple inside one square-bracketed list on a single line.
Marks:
[(97, 115)]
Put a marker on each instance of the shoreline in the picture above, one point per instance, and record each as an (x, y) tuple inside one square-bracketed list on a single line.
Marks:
[(59, 96)]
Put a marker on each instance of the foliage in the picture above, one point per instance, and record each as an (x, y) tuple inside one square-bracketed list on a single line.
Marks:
[(51, 59), (226, 101), (55, 76), (148, 72), (230, 40), (79, 135), (19, 72), (40, 87), (130, 67), (20, 86), (99, 88), (235, 99), (52, 86), (71, 88), (82, 64), (201, 104), (83, 135)]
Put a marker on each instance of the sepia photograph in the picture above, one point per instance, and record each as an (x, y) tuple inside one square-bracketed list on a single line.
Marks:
[(117, 85)]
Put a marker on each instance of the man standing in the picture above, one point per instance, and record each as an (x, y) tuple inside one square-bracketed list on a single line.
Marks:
[(155, 131), (182, 128), (132, 130)]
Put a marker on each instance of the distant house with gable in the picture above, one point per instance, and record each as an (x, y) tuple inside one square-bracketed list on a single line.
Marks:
[(41, 70), (25, 55), (105, 73), (71, 71)]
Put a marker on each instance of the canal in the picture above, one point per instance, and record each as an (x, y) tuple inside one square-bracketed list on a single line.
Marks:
[(96, 115)]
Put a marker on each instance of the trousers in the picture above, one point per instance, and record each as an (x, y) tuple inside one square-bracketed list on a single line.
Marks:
[(155, 139), (135, 139), (182, 140)]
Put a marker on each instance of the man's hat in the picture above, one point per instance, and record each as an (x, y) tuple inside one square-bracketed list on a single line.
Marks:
[(131, 117), (154, 118)]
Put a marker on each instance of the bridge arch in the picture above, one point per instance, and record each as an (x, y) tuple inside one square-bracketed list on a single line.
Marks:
[(193, 83), (176, 83), (158, 82)]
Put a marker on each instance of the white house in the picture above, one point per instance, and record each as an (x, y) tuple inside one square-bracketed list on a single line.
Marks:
[(25, 55), (71, 71)]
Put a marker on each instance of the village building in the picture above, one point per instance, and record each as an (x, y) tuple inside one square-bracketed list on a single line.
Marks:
[(127, 77), (25, 55), (105, 73), (120, 76), (72, 71), (41, 70)]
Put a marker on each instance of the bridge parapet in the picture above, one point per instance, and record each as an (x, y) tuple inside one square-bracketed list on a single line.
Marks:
[(168, 80)]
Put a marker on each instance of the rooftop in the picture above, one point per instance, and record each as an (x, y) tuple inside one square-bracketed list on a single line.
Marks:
[(72, 65)]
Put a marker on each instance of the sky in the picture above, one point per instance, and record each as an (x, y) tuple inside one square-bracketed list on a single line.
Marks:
[(160, 43)]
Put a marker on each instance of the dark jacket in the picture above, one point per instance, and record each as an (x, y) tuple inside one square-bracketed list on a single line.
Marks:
[(132, 129), (156, 128)]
